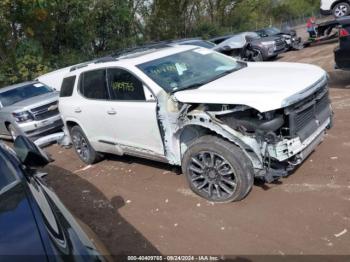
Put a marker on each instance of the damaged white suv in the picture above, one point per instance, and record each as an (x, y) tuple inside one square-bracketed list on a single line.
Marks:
[(224, 121)]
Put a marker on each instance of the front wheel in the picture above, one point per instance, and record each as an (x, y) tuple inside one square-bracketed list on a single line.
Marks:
[(217, 170), (82, 146)]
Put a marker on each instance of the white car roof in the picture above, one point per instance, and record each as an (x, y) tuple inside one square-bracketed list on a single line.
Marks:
[(135, 58)]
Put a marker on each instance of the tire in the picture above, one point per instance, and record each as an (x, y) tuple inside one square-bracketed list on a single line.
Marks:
[(13, 132), (273, 57), (83, 147), (217, 170), (341, 9)]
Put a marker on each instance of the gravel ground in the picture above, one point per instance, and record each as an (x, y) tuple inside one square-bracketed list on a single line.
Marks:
[(142, 207)]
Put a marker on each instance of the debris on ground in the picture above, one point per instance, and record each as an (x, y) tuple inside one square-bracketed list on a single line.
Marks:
[(341, 233)]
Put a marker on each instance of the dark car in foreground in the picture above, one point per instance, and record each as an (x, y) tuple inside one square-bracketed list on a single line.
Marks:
[(34, 224), (342, 52)]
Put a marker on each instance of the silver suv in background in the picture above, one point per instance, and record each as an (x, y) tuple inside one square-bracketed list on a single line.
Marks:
[(30, 109)]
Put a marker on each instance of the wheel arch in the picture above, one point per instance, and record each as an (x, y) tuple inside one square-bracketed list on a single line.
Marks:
[(189, 132)]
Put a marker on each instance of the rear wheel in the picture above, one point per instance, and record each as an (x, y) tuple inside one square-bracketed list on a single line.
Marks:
[(82, 146), (217, 170), (341, 9)]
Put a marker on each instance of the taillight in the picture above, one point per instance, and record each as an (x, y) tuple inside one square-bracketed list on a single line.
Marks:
[(343, 32)]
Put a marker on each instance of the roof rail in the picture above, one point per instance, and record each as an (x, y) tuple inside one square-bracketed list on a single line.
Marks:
[(140, 49), (76, 67), (105, 59)]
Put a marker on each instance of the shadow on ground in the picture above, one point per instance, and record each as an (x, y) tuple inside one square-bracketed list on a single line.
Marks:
[(92, 207)]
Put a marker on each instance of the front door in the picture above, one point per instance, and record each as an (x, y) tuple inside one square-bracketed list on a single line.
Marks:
[(133, 117)]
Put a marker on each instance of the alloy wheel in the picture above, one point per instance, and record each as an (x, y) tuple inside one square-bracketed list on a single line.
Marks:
[(212, 175), (341, 10), (81, 146)]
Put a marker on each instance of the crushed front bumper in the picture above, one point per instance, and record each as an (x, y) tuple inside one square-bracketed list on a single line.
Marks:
[(289, 153), (289, 148)]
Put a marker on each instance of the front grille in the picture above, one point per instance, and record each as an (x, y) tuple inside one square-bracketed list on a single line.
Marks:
[(307, 115), (44, 112)]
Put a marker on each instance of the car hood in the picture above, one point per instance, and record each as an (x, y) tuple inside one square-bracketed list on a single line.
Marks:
[(33, 102), (266, 39), (263, 86)]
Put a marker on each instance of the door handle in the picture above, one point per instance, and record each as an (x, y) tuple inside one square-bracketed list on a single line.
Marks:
[(112, 112), (77, 110)]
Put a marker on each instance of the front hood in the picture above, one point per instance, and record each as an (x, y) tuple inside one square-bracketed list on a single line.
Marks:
[(33, 102), (266, 39), (264, 86)]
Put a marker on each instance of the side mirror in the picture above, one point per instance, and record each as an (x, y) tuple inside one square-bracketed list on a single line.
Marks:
[(29, 154)]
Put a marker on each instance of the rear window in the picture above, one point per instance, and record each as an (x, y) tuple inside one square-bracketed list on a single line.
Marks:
[(67, 86), (93, 84)]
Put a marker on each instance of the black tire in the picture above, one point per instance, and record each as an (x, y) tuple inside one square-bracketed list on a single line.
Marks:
[(341, 9), (228, 175), (273, 57), (83, 147)]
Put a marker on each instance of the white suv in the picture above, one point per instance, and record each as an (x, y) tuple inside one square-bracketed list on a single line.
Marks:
[(224, 121), (338, 8)]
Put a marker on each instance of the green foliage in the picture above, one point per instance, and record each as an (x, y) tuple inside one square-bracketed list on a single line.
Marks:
[(42, 35)]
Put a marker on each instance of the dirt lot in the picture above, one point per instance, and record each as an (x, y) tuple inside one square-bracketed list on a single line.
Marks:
[(143, 207)]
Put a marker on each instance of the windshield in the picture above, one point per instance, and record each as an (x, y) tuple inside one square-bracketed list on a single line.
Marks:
[(272, 31), (21, 93), (189, 69)]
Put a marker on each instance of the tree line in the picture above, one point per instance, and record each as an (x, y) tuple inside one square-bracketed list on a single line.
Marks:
[(38, 36)]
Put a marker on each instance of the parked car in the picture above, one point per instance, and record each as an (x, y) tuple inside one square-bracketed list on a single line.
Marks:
[(251, 47), (30, 109), (342, 52), (34, 224), (224, 121), (289, 36), (239, 47), (338, 8)]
